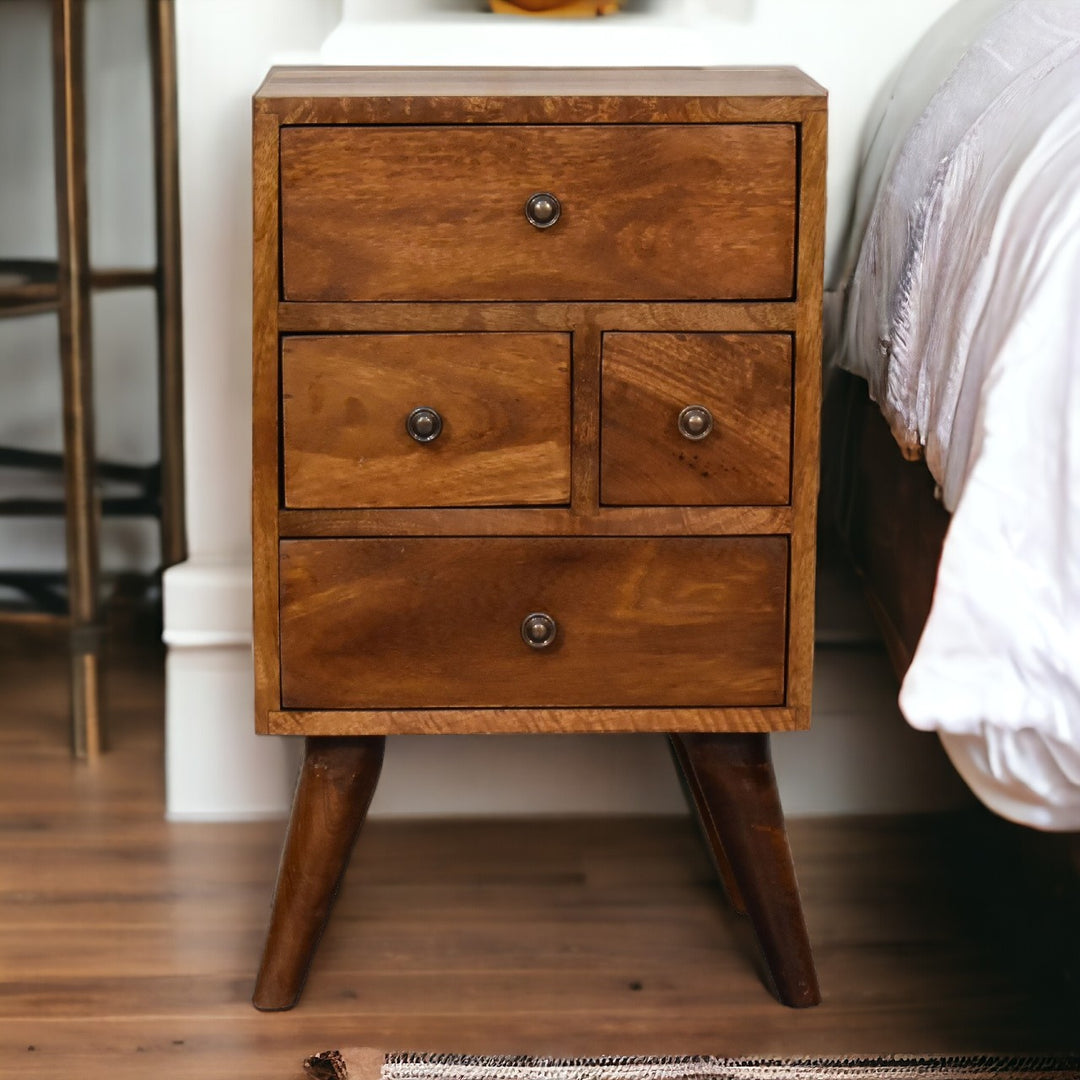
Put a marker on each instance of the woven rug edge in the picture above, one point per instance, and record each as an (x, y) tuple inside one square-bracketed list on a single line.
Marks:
[(370, 1063)]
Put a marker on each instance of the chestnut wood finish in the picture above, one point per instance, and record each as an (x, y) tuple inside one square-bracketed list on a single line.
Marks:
[(265, 412), (806, 421), (744, 380), (526, 721), (648, 212), (436, 623), (499, 95), (871, 485), (686, 263), (336, 784), (735, 776), (732, 315), (504, 400), (525, 521), (701, 810)]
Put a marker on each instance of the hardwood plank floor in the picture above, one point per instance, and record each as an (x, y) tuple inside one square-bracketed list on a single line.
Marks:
[(128, 945)]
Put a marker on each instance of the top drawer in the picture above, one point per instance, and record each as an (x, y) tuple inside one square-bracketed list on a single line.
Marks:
[(648, 212)]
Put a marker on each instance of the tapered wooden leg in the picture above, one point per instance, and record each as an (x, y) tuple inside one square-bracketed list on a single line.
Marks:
[(737, 783), (337, 781), (708, 826)]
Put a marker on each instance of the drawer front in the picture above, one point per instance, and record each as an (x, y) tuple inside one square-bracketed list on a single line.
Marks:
[(430, 623), (679, 212), (503, 402), (739, 450)]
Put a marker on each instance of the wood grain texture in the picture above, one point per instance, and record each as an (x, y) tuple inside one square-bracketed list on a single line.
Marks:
[(504, 400), (606, 521), (869, 485), (737, 784), (699, 806), (744, 380), (475, 317), (337, 781), (328, 95), (648, 212), (410, 620), (806, 437), (436, 622), (585, 462), (265, 481), (528, 721)]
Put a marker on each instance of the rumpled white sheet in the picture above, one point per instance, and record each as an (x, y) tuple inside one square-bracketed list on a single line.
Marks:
[(964, 316)]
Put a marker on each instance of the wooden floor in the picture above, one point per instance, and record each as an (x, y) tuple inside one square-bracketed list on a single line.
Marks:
[(128, 945)]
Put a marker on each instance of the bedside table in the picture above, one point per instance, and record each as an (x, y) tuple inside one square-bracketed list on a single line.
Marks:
[(536, 395)]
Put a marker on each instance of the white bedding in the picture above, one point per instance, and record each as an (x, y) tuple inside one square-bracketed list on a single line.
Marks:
[(963, 314)]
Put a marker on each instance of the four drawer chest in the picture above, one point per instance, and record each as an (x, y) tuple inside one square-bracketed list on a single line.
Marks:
[(536, 406)]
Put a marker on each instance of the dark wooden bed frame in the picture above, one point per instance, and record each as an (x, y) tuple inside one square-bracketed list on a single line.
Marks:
[(882, 510), (884, 513)]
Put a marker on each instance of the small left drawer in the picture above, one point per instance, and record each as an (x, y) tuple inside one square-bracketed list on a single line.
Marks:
[(413, 420)]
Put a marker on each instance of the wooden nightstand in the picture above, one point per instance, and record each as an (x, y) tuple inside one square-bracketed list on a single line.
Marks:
[(537, 380)]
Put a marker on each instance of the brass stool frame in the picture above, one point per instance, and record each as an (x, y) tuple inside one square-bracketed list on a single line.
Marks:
[(66, 288)]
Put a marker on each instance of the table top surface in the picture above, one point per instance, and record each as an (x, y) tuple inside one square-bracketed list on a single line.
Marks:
[(417, 82)]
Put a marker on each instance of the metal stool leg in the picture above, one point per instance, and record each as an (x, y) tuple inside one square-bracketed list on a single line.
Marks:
[(69, 127), (170, 336)]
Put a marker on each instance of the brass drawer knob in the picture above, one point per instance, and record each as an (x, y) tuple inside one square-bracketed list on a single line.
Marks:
[(424, 424), (538, 630), (695, 422), (543, 209)]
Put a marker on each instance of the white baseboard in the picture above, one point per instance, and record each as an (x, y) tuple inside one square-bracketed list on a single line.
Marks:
[(216, 767)]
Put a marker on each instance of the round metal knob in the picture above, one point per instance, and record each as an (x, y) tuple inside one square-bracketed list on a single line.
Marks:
[(424, 424), (695, 422), (543, 209), (538, 630)]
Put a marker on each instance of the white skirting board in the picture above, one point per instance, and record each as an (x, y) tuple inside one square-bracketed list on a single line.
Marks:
[(216, 767), (859, 758)]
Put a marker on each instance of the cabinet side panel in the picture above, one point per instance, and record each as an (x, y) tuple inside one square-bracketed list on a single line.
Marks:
[(264, 416), (806, 436)]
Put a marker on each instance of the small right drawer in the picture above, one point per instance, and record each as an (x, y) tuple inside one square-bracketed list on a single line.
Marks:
[(696, 419)]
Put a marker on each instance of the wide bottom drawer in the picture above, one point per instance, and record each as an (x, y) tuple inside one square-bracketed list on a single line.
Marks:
[(444, 622)]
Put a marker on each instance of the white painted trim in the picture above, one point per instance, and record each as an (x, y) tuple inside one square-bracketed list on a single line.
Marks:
[(211, 817), (205, 639)]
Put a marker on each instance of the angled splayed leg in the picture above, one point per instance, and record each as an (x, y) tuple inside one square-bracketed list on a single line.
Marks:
[(337, 781), (737, 783)]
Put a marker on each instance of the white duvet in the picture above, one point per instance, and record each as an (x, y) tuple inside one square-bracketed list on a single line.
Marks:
[(963, 314)]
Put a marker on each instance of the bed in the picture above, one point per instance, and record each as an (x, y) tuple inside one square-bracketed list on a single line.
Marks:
[(953, 406)]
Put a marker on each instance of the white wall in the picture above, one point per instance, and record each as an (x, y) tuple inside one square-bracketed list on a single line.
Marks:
[(215, 766), (849, 46), (860, 757), (120, 182)]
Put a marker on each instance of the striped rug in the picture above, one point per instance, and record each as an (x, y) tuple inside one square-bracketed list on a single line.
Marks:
[(367, 1064)]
